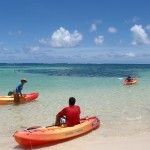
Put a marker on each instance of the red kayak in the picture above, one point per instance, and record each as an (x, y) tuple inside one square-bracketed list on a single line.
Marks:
[(133, 81), (6, 100), (38, 136)]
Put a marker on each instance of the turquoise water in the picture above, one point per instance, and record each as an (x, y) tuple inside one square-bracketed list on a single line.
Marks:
[(123, 110)]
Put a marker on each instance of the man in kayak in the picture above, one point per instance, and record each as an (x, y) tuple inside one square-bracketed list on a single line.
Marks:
[(128, 79), (71, 114), (18, 90)]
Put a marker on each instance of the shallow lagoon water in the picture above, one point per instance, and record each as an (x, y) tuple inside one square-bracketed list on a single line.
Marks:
[(123, 110)]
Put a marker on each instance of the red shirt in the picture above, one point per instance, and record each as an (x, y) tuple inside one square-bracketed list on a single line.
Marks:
[(72, 114)]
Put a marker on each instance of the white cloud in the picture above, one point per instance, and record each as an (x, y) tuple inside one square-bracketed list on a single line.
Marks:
[(112, 30), (93, 27), (3, 49), (44, 41), (31, 49), (34, 48), (130, 54), (120, 55), (148, 27), (139, 35), (99, 40), (63, 38)]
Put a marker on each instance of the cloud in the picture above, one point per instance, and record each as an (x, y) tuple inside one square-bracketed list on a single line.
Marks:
[(139, 35), (147, 27), (130, 54), (135, 19), (44, 41), (3, 49), (93, 27), (112, 30), (63, 38), (120, 55), (15, 33), (31, 49), (99, 40), (34, 49)]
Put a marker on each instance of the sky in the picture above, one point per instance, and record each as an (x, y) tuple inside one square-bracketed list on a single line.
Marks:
[(74, 31)]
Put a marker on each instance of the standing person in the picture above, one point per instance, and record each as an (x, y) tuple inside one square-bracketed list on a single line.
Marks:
[(71, 113), (18, 90)]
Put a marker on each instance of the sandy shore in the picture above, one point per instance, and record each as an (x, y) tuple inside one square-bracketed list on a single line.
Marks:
[(140, 142)]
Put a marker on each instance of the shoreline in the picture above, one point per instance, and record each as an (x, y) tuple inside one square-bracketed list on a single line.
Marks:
[(88, 142)]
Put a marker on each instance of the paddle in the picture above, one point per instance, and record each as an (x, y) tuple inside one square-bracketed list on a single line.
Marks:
[(34, 127)]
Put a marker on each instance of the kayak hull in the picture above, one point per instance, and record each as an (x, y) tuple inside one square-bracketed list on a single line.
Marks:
[(134, 81), (54, 134), (6, 100)]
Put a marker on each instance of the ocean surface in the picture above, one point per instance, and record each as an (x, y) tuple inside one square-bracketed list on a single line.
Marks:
[(98, 89)]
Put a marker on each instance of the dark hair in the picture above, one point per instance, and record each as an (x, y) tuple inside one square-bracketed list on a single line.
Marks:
[(72, 101), (23, 81)]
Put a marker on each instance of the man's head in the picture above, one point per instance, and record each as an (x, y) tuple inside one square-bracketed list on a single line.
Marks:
[(129, 76), (72, 101), (23, 81)]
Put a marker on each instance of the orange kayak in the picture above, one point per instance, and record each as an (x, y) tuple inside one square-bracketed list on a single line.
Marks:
[(6, 100), (54, 134), (133, 81)]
